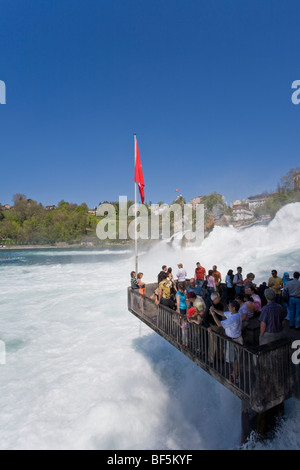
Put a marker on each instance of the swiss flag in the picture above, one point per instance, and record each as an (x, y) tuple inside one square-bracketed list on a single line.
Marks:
[(138, 174)]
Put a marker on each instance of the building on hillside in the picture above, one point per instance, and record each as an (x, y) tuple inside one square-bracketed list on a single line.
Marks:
[(240, 204), (258, 200), (50, 208), (240, 210), (92, 211), (242, 213)]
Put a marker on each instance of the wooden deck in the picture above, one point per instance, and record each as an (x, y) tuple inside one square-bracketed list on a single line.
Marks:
[(267, 375)]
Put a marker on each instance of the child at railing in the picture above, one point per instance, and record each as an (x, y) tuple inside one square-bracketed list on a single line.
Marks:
[(196, 313), (184, 325)]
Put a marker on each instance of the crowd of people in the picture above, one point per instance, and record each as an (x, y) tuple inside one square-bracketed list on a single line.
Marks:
[(231, 305)]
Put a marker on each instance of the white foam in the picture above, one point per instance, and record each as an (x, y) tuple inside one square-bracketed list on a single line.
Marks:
[(81, 372), (80, 252), (258, 249)]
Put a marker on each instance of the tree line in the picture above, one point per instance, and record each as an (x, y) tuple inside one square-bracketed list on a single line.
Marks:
[(286, 192), (29, 222)]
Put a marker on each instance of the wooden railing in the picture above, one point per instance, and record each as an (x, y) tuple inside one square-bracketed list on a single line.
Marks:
[(264, 375)]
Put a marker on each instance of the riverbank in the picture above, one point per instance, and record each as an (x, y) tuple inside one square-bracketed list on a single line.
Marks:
[(40, 247), (143, 244), (62, 246), (30, 247), (106, 244)]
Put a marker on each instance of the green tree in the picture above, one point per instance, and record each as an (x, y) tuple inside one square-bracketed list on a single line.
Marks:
[(287, 181)]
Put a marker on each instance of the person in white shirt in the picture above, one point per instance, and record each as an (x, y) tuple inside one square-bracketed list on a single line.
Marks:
[(181, 274), (233, 329)]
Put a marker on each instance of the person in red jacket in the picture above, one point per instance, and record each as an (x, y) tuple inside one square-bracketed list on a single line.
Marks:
[(200, 273)]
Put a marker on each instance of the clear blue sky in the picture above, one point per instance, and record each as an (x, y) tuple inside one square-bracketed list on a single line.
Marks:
[(206, 85)]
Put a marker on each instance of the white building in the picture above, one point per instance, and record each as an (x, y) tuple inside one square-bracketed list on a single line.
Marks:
[(242, 214), (258, 200), (240, 203)]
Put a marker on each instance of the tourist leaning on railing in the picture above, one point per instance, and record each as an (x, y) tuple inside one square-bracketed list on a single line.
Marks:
[(232, 325)]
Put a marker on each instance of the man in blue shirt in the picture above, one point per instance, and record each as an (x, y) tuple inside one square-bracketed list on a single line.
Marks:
[(194, 288)]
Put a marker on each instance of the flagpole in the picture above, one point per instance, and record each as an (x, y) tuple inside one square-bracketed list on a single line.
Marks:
[(135, 210)]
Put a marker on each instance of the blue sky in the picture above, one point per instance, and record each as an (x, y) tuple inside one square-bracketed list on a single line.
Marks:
[(206, 86)]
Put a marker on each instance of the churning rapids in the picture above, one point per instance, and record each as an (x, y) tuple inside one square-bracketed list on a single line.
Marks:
[(81, 372)]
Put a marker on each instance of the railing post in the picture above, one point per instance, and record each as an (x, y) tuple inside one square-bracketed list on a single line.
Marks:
[(129, 298)]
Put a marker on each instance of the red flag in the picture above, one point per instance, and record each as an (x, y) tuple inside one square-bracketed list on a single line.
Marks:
[(138, 174)]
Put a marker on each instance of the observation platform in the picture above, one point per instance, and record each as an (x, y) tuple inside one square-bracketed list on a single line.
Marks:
[(267, 374)]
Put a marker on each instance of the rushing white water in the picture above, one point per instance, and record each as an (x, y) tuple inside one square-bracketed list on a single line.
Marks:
[(81, 372)]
